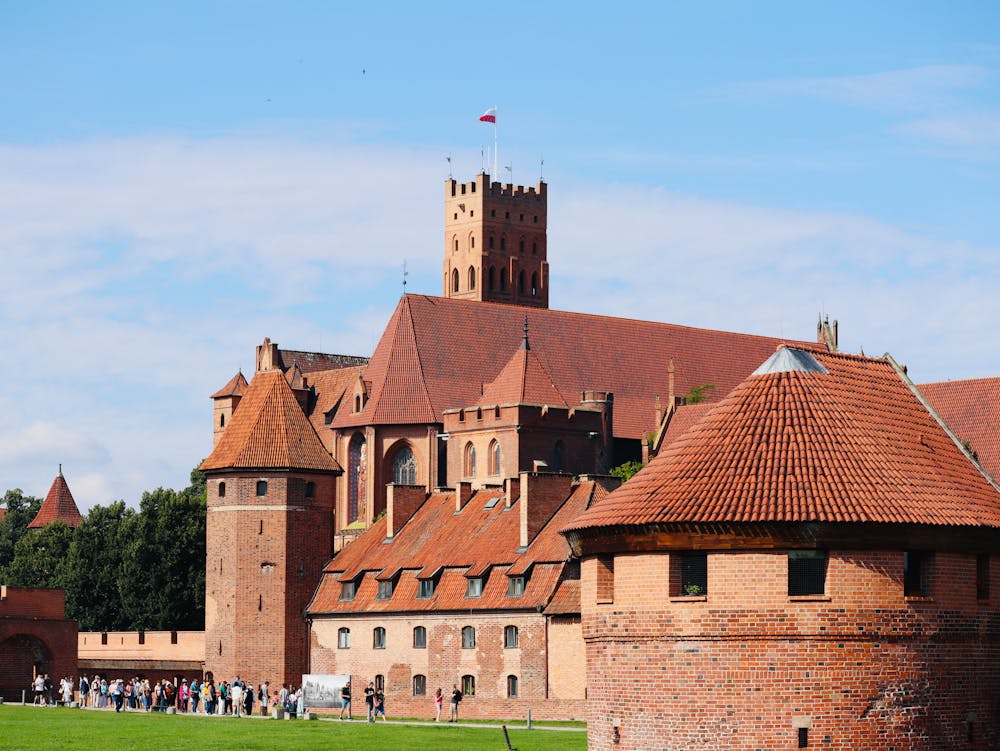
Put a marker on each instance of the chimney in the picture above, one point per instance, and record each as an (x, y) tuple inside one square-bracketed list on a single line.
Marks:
[(463, 492), (268, 357), (541, 496), (511, 489), (401, 502), (604, 402), (671, 396)]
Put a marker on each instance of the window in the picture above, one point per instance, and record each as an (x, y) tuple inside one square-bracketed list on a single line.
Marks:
[(456, 239), (605, 579), (534, 246), (468, 637), (378, 638), (357, 403), (558, 452), (534, 284), (426, 590), (515, 586), (916, 573), (419, 637), (356, 474), (692, 575), (807, 572), (469, 465), (983, 576), (468, 685), (491, 242), (261, 488), (310, 490), (222, 490), (503, 281), (511, 686), (142, 637), (474, 587), (454, 281), (104, 638), (260, 527), (503, 243), (511, 638), (380, 682), (495, 458), (420, 685), (520, 282), (348, 590), (404, 467), (520, 247), (472, 277), (344, 638), (492, 278), (173, 637), (222, 420), (472, 238), (385, 590)]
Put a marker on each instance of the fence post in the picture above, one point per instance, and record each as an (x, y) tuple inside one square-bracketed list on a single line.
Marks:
[(529, 718)]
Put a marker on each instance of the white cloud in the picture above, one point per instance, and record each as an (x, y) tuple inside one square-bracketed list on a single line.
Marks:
[(967, 130), (41, 439)]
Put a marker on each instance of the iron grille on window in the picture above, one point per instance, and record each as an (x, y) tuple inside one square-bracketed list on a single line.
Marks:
[(807, 572), (916, 573)]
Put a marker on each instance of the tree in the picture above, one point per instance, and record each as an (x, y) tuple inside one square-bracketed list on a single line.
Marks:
[(95, 569), (625, 471), (40, 557), (698, 394), (21, 509)]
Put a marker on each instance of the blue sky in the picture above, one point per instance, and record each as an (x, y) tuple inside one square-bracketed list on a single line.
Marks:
[(179, 180)]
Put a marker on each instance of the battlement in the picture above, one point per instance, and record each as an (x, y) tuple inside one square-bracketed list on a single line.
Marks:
[(482, 185)]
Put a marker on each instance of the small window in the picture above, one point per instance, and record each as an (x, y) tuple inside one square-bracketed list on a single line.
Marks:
[(470, 460), (456, 239), (344, 638), (472, 277), (357, 403), (261, 488), (506, 215), (173, 637), (493, 212), (469, 685), (534, 284), (495, 458), (534, 247), (380, 682), (803, 737), (454, 281), (511, 638), (348, 590), (472, 238), (142, 637), (104, 638), (520, 247), (692, 575), (520, 282), (916, 573), (222, 420), (378, 638), (419, 637), (515, 586), (983, 576), (511, 686), (384, 590), (558, 452), (807, 572), (474, 587), (222, 490), (605, 579), (420, 685), (492, 277), (426, 590), (491, 242), (503, 281), (503, 243), (468, 637), (310, 490), (260, 528)]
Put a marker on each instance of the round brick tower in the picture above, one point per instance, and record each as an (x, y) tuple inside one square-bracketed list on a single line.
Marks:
[(807, 567)]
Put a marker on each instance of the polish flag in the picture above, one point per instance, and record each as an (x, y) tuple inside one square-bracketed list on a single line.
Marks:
[(490, 116)]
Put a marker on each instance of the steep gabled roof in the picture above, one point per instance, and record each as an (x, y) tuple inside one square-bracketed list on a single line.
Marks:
[(330, 387), (235, 386), (971, 408), (524, 380), (850, 442), (269, 430), (58, 506), (437, 352)]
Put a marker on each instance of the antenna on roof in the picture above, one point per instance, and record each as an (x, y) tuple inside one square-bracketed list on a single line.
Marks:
[(525, 344), (541, 170), (60, 469), (449, 166), (406, 273)]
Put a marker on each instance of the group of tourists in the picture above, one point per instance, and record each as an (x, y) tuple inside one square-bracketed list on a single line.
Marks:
[(375, 702)]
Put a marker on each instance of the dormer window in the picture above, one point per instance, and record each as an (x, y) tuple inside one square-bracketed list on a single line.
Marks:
[(348, 590), (515, 586), (426, 589), (385, 589), (474, 587)]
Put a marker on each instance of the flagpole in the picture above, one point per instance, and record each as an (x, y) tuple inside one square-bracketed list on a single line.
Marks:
[(496, 142)]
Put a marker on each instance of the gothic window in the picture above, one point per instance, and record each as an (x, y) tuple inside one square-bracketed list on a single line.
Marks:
[(491, 242), (503, 243), (344, 638), (454, 281), (356, 475), (495, 458), (492, 278), (503, 280), (558, 453), (456, 244), (380, 682), (512, 686), (511, 638), (534, 284), (469, 469), (472, 241), (468, 637), (534, 248), (404, 467), (222, 420), (419, 685), (520, 282), (472, 277), (378, 638), (419, 637), (521, 247), (222, 490), (261, 488), (357, 403)]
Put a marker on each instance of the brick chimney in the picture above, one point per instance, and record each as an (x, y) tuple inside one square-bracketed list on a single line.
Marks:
[(463, 492), (401, 502), (541, 496), (511, 489)]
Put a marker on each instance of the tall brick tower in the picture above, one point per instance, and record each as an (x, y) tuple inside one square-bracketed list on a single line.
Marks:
[(269, 534), (495, 242)]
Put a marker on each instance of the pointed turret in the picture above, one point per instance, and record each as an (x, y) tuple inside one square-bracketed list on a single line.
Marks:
[(58, 506), (225, 401)]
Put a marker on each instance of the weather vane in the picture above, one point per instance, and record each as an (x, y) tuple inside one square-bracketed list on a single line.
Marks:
[(405, 272)]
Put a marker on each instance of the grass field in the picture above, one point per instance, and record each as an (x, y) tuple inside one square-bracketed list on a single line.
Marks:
[(32, 728)]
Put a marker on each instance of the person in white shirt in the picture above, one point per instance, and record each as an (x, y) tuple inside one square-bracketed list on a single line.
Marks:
[(237, 692)]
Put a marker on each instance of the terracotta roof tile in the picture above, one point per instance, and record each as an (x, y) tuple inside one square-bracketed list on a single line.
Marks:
[(330, 387), (682, 419), (566, 600), (269, 430), (58, 506), (436, 353), (236, 386), (853, 444), (523, 380), (971, 408), (436, 539)]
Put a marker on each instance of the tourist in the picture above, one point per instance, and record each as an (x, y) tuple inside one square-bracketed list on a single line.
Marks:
[(103, 699), (211, 695), (370, 701), (300, 703), (39, 688), (95, 691), (248, 699), (456, 699), (236, 692), (283, 696), (345, 700), (265, 697), (438, 705), (66, 690), (226, 692), (194, 694), (118, 694), (379, 705), (183, 696)]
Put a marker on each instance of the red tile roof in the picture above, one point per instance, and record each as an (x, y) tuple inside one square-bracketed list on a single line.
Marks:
[(3, 512), (436, 353), (437, 540), (269, 430), (853, 444), (681, 420), (236, 386), (524, 380), (330, 387), (58, 506), (566, 600), (972, 410)]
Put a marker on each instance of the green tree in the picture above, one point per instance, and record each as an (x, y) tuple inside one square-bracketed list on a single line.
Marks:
[(21, 509), (95, 570), (625, 471), (698, 394), (40, 557)]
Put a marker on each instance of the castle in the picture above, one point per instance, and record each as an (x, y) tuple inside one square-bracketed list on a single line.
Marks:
[(401, 518)]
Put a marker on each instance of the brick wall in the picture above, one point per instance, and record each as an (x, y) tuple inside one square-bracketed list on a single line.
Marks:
[(34, 636), (745, 666)]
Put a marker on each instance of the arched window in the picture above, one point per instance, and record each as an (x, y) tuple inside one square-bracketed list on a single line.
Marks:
[(378, 638), (454, 281), (495, 458), (357, 403), (520, 282), (404, 467), (472, 241), (557, 456), (261, 488), (469, 685), (356, 476), (222, 420), (511, 686), (511, 638), (472, 277), (492, 278), (222, 490), (470, 460), (344, 638), (534, 248), (380, 682), (468, 637), (310, 490), (455, 245), (503, 243), (419, 685), (534, 283), (419, 637), (503, 280), (491, 242), (521, 247)]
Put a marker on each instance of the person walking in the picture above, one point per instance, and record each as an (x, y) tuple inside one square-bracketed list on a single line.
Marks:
[(456, 699), (438, 705), (379, 705), (370, 701), (345, 700)]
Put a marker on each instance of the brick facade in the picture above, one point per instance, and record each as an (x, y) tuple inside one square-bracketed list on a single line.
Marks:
[(35, 637)]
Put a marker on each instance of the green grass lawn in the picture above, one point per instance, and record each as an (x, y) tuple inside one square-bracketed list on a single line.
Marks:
[(31, 728)]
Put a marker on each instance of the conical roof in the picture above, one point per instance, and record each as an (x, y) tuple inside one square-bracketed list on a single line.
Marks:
[(58, 506), (523, 380), (269, 430), (813, 437), (236, 386)]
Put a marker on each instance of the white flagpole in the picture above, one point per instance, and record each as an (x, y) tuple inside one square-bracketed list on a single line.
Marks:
[(495, 144)]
